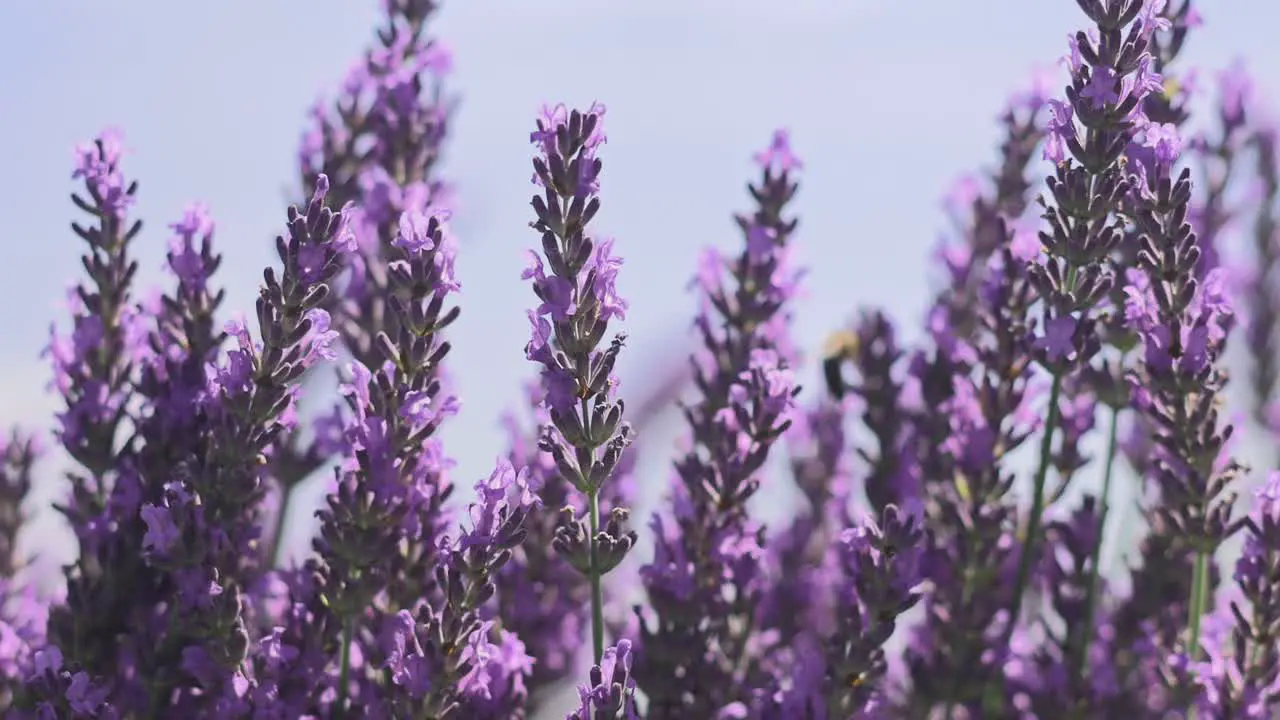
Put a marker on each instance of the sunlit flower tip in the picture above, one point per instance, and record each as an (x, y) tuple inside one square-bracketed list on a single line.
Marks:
[(779, 156)]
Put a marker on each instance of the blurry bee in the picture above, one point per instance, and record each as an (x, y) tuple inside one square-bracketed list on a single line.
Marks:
[(840, 347)]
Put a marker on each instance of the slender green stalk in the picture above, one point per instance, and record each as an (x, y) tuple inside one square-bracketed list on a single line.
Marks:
[(594, 576), (992, 701), (277, 538), (1037, 504), (1042, 476), (1199, 597), (1081, 661), (597, 593), (344, 671)]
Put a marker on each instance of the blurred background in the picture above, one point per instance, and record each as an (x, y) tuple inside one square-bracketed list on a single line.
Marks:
[(888, 103)]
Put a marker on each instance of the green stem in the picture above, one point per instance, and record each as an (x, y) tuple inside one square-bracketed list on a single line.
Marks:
[(597, 594), (1037, 504), (344, 672), (1199, 593), (1095, 570), (1199, 584), (992, 701), (277, 538)]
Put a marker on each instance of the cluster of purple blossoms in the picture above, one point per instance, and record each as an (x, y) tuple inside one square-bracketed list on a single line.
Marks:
[(1087, 330)]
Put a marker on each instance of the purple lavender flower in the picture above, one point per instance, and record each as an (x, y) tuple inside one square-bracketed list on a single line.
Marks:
[(1218, 157), (187, 442), (704, 578), (382, 139), (972, 406), (944, 430), (1165, 25), (396, 108), (202, 491), (24, 617), (94, 372), (21, 630), (1077, 412), (935, 426), (379, 144), (1060, 678), (180, 532), (541, 598), (93, 365), (171, 384), (1261, 297), (872, 348), (578, 298), (1183, 324), (802, 597), (611, 694), (443, 658), (57, 689), (988, 205), (1112, 73), (378, 534), (881, 566)]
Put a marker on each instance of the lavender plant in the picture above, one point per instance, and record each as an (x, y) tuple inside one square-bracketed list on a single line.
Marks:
[(380, 144), (911, 583), (698, 656), (577, 300)]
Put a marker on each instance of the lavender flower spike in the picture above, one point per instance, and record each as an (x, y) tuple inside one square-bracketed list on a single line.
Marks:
[(1262, 294), (1112, 71), (881, 566), (93, 366), (705, 582), (380, 145), (94, 373), (578, 299), (379, 531), (202, 511), (1178, 385), (441, 659)]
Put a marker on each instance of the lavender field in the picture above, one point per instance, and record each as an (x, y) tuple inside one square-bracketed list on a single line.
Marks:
[(679, 361)]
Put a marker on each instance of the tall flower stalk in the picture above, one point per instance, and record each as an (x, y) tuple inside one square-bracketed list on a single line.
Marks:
[(379, 531), (880, 581), (704, 583), (93, 372), (945, 420), (380, 143), (204, 527), (1171, 23), (541, 598), (1089, 133), (1183, 324), (182, 348), (1262, 296), (587, 435)]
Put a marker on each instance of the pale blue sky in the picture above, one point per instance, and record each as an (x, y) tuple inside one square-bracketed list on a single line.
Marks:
[(887, 103)]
